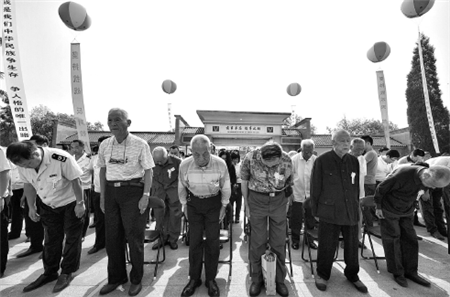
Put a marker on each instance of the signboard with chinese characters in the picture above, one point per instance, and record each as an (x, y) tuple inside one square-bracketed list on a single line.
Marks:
[(382, 96), (77, 95), (13, 72), (243, 129)]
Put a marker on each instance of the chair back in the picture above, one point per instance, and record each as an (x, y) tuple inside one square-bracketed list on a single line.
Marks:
[(156, 202)]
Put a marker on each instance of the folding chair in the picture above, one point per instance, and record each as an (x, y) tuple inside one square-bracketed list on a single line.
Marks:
[(153, 235), (368, 201)]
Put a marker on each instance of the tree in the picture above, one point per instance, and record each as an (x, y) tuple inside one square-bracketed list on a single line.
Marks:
[(290, 122), (416, 111), (362, 126)]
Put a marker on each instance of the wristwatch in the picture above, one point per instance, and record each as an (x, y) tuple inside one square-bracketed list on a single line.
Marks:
[(146, 194), (80, 202)]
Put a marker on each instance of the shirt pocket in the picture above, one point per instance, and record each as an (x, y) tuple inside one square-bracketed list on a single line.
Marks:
[(54, 183), (214, 185), (331, 178)]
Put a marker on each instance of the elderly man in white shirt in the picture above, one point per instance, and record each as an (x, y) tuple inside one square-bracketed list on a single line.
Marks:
[(302, 165)]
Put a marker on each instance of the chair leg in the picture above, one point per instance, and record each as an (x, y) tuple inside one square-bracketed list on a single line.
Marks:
[(290, 257), (306, 241), (373, 253)]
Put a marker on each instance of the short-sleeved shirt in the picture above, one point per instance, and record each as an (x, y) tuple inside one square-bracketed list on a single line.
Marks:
[(362, 174), (372, 162), (53, 180), (127, 160), (165, 179), (442, 160), (302, 169), (262, 178), (86, 166), (96, 173), (16, 182), (4, 165), (204, 181)]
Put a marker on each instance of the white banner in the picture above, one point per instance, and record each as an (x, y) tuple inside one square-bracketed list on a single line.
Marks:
[(77, 95), (13, 72), (382, 97), (427, 100)]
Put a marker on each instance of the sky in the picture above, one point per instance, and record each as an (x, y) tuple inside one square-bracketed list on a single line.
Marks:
[(228, 55)]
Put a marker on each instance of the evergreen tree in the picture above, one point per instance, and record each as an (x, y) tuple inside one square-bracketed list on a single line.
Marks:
[(416, 111)]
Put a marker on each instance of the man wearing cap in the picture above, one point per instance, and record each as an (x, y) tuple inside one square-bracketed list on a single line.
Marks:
[(55, 176), (126, 166), (204, 191), (266, 173)]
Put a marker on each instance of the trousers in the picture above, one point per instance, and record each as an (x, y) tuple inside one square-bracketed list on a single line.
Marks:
[(169, 219), (16, 214), (100, 221)]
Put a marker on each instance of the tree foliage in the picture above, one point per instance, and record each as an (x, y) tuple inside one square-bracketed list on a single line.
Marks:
[(362, 126), (416, 111), (290, 122)]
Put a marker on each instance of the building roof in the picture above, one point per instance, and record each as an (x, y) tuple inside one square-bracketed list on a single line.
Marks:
[(291, 132), (324, 140), (150, 137)]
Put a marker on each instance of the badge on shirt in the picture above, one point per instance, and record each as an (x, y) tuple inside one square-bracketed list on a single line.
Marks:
[(278, 178), (169, 171), (353, 178), (59, 158), (53, 178)]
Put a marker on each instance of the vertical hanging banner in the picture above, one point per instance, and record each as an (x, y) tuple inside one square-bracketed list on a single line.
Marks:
[(382, 97), (427, 100), (13, 72), (77, 95)]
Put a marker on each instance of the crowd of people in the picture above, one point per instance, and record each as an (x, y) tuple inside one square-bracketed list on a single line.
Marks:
[(57, 191)]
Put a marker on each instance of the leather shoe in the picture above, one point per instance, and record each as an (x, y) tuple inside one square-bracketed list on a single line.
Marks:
[(28, 252), (401, 280), (321, 283), (213, 289), (108, 288), (93, 250), (360, 286), (255, 288), (189, 290), (63, 281), (418, 279), (134, 289), (312, 245), (282, 290), (437, 235), (295, 245), (41, 280), (173, 245)]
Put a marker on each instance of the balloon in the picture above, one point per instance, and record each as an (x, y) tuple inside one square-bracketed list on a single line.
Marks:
[(169, 86), (294, 89), (416, 8), (74, 16), (378, 52)]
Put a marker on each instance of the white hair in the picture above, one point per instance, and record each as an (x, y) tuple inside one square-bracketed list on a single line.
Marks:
[(339, 132), (200, 138), (307, 142), (357, 140), (160, 150), (122, 111)]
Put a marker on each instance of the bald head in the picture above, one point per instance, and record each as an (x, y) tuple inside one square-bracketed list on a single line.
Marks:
[(200, 145), (160, 155), (437, 176)]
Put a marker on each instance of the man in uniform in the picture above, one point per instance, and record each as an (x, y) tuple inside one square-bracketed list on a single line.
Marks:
[(265, 174), (5, 168), (204, 191), (165, 186), (55, 176), (395, 201), (125, 180)]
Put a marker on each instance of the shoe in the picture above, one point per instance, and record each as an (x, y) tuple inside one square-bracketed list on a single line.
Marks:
[(255, 288), (189, 290), (418, 279), (313, 245), (295, 246), (93, 250), (321, 283), (173, 245), (437, 235), (108, 288), (213, 289), (236, 221), (360, 286), (282, 290), (419, 224), (63, 281), (401, 280), (41, 280), (28, 252), (158, 245), (135, 289)]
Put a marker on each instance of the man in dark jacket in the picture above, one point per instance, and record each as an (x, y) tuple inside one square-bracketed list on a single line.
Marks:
[(335, 201)]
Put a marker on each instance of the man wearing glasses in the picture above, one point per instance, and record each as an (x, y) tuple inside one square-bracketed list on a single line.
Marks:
[(126, 166)]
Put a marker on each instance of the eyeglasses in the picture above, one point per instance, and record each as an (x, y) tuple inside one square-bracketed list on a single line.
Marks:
[(118, 161)]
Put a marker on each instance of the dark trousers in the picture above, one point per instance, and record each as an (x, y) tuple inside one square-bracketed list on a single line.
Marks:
[(446, 198), (264, 208), (124, 223), (328, 241), (16, 214), (87, 203), (34, 230), (100, 221), (369, 211), (400, 244), (62, 228), (433, 213), (203, 216), (299, 212), (169, 219), (4, 246), (236, 198)]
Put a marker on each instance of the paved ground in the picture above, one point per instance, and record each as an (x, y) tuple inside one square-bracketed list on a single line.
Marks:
[(434, 264)]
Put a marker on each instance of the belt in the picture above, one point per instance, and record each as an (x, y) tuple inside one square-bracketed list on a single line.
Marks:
[(129, 183), (270, 194), (204, 196)]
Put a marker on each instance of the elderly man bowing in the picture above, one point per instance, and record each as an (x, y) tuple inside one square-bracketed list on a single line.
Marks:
[(204, 191), (126, 166)]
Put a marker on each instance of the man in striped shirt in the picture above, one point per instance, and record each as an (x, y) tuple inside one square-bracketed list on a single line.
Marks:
[(204, 192)]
